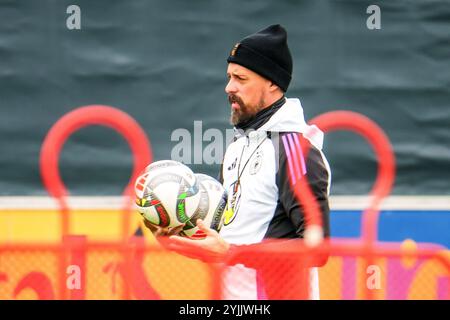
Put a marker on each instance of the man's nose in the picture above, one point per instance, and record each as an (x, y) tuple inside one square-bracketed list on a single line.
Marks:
[(230, 87)]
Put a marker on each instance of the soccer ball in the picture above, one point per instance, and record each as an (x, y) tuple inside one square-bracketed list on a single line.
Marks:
[(167, 193), (213, 200)]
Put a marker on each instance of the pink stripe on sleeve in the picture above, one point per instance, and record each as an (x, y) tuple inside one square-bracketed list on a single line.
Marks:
[(300, 152), (294, 157), (289, 159)]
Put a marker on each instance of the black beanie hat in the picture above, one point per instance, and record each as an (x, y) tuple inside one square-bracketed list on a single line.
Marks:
[(266, 53)]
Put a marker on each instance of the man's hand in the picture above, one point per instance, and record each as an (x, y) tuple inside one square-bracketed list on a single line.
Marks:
[(210, 249), (159, 232)]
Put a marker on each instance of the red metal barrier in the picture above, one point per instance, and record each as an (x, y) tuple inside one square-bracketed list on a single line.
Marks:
[(160, 274), (346, 120), (271, 256), (54, 142), (360, 124), (75, 120)]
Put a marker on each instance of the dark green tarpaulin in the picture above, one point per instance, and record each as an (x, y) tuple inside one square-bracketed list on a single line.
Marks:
[(163, 62)]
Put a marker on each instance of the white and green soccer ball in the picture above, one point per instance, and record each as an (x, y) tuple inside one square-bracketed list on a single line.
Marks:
[(169, 194), (213, 200)]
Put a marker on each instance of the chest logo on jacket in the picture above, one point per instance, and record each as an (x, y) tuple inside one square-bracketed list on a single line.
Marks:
[(256, 163)]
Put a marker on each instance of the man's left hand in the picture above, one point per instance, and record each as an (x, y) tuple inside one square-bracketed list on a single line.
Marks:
[(210, 249)]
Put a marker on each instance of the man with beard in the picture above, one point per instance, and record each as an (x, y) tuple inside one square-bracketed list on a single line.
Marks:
[(262, 163)]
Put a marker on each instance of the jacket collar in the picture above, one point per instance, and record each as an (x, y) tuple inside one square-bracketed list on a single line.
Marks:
[(261, 117), (289, 118)]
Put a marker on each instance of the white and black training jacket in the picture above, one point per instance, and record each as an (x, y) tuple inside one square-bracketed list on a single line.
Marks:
[(264, 154)]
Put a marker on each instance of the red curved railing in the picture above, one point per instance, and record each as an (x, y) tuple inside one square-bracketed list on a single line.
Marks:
[(81, 117), (377, 139), (362, 125)]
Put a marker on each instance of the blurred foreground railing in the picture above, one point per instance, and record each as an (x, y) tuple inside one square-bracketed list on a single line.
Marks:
[(78, 269)]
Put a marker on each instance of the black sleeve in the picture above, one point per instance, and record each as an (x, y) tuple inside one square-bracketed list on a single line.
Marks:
[(317, 175)]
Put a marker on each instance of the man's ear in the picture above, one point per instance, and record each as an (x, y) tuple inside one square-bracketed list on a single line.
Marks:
[(273, 87)]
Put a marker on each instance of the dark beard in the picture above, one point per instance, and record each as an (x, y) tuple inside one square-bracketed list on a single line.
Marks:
[(245, 112)]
